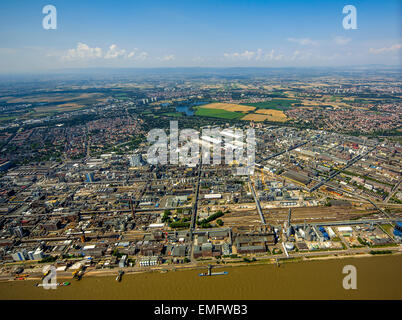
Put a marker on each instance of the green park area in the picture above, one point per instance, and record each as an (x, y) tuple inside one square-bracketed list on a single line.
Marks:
[(218, 113)]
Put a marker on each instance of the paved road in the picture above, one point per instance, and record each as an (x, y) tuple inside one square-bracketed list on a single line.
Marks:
[(350, 163), (257, 202), (394, 189), (194, 213)]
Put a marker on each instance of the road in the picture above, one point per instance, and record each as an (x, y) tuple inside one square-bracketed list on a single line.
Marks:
[(286, 150), (194, 213), (350, 163), (394, 189), (257, 202)]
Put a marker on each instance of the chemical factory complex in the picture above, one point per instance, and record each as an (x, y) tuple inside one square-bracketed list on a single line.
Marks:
[(79, 191), (312, 193)]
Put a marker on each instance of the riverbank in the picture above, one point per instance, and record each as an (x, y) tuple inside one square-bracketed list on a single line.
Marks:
[(378, 277), (199, 266)]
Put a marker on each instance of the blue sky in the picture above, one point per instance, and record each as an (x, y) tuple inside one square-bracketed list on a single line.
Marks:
[(210, 33)]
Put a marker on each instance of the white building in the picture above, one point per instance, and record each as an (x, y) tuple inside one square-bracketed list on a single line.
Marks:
[(345, 229), (149, 261), (213, 196), (20, 255)]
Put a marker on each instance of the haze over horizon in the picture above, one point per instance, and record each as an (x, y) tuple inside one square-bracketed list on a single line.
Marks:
[(160, 34)]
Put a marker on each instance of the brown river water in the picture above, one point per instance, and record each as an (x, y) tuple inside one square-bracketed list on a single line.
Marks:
[(378, 277)]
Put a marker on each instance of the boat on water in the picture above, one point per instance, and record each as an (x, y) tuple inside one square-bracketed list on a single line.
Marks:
[(209, 273), (213, 274), (60, 284), (119, 276)]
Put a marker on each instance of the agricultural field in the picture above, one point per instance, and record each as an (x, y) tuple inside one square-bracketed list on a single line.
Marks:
[(52, 97), (309, 103), (232, 111), (218, 113), (256, 117), (65, 107), (173, 114), (47, 104), (274, 115), (229, 107), (277, 104)]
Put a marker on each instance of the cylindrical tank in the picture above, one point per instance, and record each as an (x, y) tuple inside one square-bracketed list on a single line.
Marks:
[(289, 246)]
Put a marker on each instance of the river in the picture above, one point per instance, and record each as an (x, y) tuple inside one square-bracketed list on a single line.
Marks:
[(378, 277)]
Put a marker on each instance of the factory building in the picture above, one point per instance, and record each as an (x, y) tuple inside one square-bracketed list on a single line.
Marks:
[(150, 261), (207, 250), (213, 196), (253, 243), (89, 177), (307, 233), (398, 231), (21, 255), (297, 177), (136, 160), (123, 261), (35, 255)]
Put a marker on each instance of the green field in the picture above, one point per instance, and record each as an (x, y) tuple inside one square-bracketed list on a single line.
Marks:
[(5, 119), (218, 113), (277, 104), (173, 114)]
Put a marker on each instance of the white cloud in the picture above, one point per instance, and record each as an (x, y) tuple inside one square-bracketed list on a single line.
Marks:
[(83, 51), (169, 57), (271, 56), (198, 59), (299, 55), (246, 55), (114, 52), (394, 47), (253, 55), (342, 40), (295, 55), (258, 55), (303, 41), (8, 50), (136, 55)]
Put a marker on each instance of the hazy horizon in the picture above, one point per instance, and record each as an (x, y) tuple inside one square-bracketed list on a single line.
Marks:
[(190, 34)]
